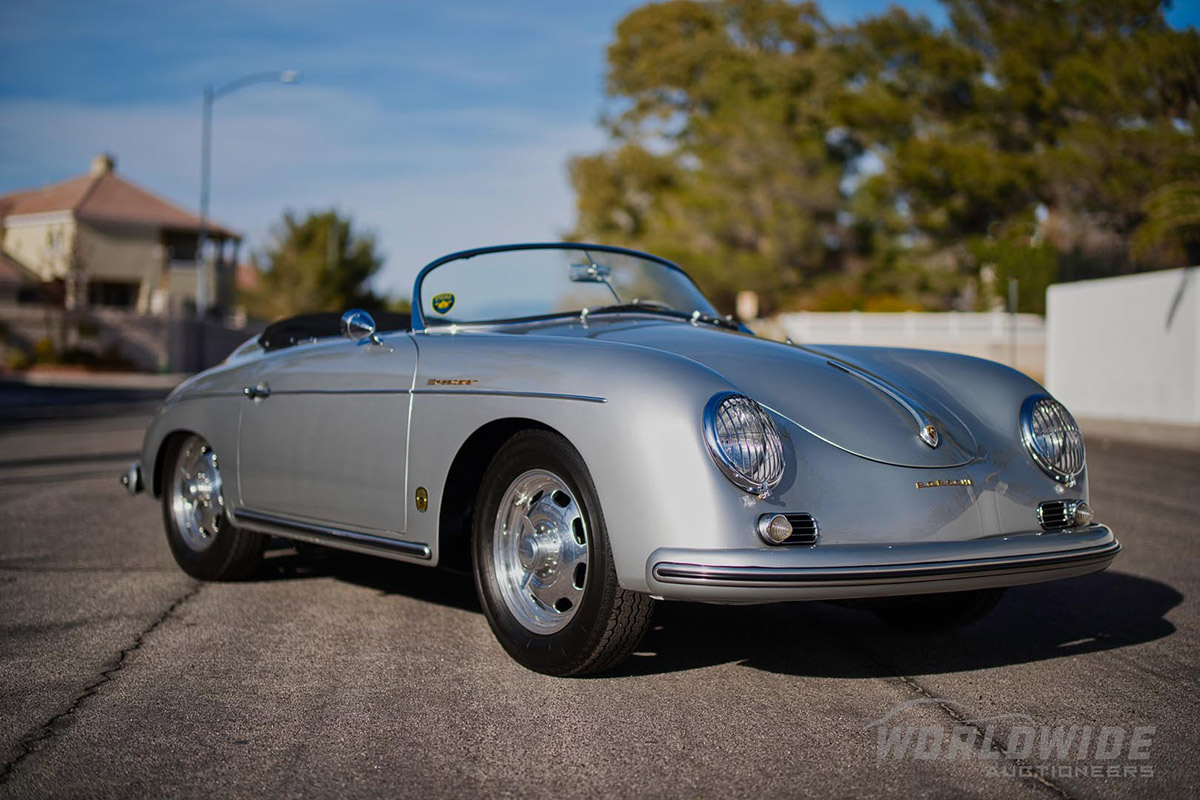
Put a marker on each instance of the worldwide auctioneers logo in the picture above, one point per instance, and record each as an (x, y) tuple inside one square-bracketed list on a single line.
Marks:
[(1062, 750)]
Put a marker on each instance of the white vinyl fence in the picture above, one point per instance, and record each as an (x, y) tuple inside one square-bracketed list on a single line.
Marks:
[(1018, 340)]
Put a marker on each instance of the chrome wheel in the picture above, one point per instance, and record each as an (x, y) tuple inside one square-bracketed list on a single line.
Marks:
[(540, 551), (197, 503)]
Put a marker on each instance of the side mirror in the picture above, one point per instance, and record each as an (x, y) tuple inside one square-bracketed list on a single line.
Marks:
[(359, 326)]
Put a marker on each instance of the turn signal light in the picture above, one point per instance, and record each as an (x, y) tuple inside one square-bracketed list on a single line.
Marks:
[(774, 528)]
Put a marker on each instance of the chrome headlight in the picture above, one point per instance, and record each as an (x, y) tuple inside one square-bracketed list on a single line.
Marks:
[(744, 442), (1052, 438)]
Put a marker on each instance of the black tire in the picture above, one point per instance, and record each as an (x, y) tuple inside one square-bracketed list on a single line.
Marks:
[(937, 612), (233, 553), (609, 621)]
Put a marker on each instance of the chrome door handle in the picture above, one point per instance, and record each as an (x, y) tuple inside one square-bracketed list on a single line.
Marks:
[(259, 392)]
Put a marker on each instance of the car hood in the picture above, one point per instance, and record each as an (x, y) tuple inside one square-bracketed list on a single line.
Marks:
[(863, 412)]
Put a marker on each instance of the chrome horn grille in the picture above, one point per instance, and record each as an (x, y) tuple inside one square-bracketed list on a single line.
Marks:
[(805, 530), (1053, 515)]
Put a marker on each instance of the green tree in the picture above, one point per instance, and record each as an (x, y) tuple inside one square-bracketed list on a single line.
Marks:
[(768, 149), (315, 263), (1173, 213), (719, 156)]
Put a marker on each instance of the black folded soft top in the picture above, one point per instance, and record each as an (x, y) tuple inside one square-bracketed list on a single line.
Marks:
[(306, 327)]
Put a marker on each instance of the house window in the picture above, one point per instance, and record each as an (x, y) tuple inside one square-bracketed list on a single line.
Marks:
[(112, 294), (181, 247)]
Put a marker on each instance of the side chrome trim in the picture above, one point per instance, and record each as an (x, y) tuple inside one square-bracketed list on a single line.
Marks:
[(327, 535), (293, 392), (501, 393), (700, 574), (484, 392), (926, 432)]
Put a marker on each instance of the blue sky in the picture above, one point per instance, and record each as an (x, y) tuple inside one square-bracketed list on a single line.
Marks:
[(438, 125)]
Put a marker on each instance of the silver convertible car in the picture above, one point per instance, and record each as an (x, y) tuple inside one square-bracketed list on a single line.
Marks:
[(578, 426)]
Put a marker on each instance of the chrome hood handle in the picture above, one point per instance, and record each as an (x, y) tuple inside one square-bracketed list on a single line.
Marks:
[(926, 431)]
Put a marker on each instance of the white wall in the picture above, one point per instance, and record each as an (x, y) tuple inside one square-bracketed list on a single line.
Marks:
[(1127, 347)]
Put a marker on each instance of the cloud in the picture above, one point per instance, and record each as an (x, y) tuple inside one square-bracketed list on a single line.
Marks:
[(428, 182)]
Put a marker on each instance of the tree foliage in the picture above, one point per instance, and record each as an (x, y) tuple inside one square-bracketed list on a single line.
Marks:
[(771, 150), (315, 263)]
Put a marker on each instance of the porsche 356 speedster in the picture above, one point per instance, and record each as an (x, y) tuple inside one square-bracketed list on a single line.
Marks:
[(579, 427)]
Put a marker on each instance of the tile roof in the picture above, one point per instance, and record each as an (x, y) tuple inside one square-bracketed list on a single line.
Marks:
[(105, 198)]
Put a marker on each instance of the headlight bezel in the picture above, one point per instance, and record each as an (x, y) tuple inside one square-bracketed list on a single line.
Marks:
[(1065, 473), (773, 460)]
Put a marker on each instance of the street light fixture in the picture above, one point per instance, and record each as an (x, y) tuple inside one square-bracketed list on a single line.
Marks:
[(211, 95)]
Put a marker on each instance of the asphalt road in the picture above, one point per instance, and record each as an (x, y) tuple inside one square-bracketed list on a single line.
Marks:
[(22, 402), (121, 676)]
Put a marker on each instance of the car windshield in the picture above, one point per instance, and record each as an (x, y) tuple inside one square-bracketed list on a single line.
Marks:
[(531, 283)]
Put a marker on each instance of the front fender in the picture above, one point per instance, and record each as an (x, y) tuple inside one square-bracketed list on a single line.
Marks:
[(634, 415), (209, 405)]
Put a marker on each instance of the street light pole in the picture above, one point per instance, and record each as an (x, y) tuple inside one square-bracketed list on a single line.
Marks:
[(205, 178), (203, 271), (211, 95)]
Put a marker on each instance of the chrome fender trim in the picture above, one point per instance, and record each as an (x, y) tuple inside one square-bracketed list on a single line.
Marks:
[(329, 536)]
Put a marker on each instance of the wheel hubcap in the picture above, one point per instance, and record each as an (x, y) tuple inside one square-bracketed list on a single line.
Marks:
[(197, 502), (540, 551)]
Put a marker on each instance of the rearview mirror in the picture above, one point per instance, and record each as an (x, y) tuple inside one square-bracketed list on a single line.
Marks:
[(590, 273), (359, 326)]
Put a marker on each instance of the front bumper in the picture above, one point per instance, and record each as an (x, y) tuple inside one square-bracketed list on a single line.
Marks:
[(831, 572)]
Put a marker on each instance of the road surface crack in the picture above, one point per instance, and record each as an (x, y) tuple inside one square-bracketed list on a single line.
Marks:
[(886, 672), (1028, 768), (31, 742)]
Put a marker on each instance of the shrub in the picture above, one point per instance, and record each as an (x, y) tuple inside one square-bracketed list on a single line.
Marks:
[(111, 358), (77, 357), (44, 351), (17, 359)]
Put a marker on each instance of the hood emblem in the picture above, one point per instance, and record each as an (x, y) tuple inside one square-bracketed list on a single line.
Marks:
[(929, 436)]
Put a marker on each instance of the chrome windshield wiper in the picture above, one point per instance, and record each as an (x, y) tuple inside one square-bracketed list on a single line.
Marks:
[(724, 322)]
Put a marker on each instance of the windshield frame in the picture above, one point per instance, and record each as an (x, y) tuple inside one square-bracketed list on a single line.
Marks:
[(418, 313)]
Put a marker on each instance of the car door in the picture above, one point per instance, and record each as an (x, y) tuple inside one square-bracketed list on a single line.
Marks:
[(323, 434)]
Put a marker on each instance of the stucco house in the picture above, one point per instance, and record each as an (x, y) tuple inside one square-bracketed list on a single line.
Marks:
[(16, 282), (100, 240)]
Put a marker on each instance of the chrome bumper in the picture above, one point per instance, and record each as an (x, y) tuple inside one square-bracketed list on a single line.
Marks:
[(131, 478), (828, 572)]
